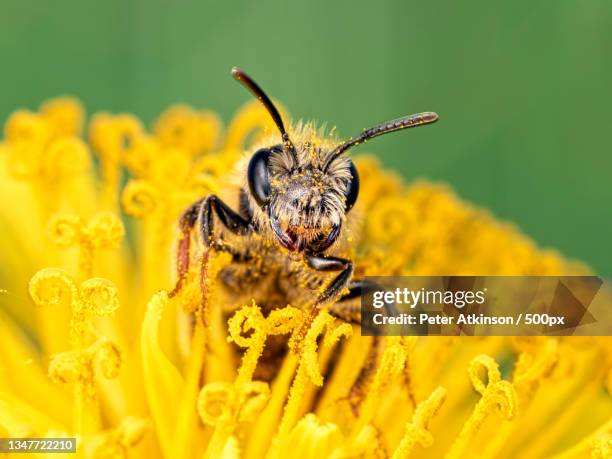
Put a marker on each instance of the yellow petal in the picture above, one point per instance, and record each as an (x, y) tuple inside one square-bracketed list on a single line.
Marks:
[(20, 419), (22, 373), (163, 382)]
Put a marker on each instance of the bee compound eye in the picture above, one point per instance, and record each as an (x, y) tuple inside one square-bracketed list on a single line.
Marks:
[(352, 189), (257, 173)]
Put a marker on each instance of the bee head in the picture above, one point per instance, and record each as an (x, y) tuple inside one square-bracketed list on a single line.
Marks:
[(304, 195), (306, 188)]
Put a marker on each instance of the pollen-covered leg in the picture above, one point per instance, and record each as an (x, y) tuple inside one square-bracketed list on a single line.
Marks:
[(204, 210), (231, 220), (359, 388), (340, 282), (186, 224), (335, 287)]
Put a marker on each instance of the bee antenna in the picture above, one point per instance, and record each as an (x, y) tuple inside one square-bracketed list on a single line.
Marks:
[(248, 83), (390, 126)]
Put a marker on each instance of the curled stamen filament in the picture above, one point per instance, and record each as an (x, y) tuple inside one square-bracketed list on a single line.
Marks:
[(495, 393)]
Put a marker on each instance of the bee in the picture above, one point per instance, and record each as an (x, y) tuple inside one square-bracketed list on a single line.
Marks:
[(286, 219)]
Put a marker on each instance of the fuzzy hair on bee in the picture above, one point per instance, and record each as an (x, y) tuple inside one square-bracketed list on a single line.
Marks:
[(307, 202), (286, 217), (307, 199)]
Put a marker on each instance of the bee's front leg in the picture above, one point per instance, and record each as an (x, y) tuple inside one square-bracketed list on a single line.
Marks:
[(333, 289), (339, 283), (231, 220), (204, 210)]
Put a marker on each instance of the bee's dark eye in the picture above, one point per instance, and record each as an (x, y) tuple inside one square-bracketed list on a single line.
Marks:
[(259, 183), (352, 190)]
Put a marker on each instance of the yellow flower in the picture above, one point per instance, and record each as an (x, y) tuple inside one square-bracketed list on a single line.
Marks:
[(93, 345)]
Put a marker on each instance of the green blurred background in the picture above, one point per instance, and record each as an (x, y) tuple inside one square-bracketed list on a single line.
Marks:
[(523, 87)]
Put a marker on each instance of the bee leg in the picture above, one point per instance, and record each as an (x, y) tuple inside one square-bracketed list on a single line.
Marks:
[(359, 389), (186, 224), (205, 209), (340, 282), (335, 287), (231, 220)]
